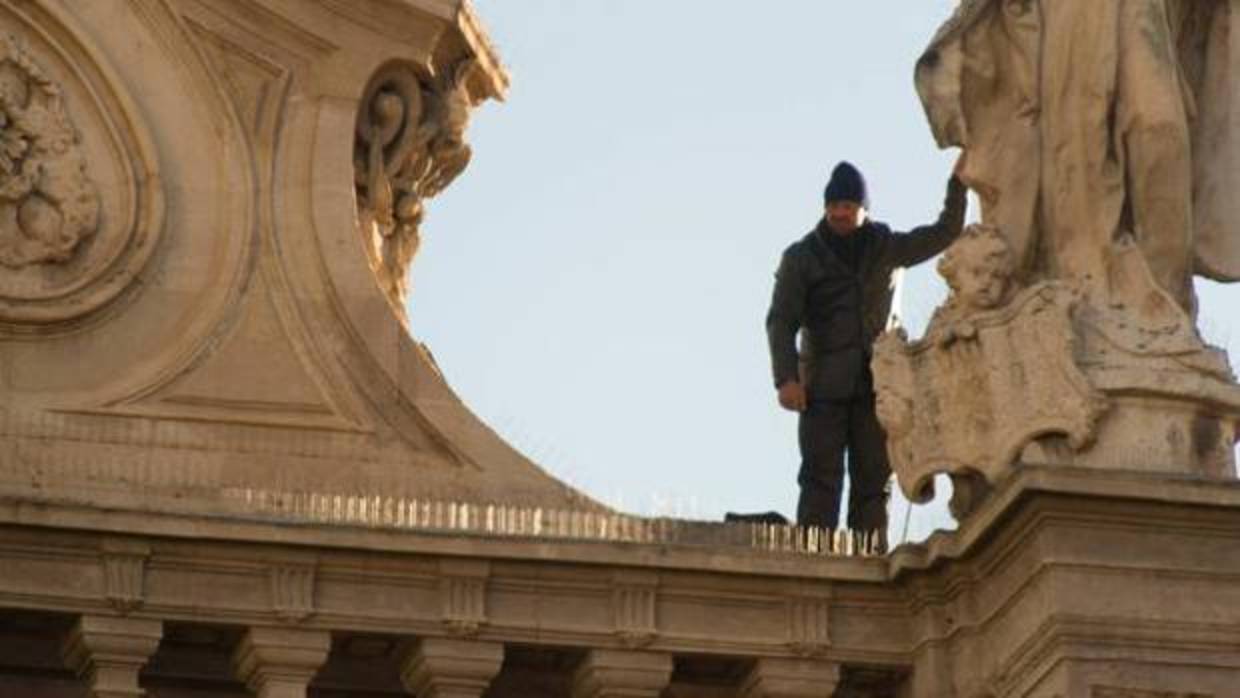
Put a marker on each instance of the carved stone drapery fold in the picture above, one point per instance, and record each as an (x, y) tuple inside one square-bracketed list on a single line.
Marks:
[(410, 145)]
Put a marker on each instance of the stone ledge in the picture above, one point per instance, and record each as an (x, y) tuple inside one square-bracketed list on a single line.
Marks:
[(1015, 491)]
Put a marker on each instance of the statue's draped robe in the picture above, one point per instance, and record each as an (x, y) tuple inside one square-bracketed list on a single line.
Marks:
[(1089, 121)]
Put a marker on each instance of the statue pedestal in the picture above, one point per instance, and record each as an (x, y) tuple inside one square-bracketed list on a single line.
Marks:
[(1077, 582), (1156, 433)]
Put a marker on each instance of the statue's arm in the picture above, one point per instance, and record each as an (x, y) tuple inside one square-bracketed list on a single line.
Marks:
[(784, 318), (919, 244)]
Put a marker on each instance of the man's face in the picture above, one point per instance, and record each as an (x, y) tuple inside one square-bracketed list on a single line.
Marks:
[(844, 217)]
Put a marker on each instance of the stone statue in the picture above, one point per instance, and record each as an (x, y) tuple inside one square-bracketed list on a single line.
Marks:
[(995, 371), (1102, 140), (1087, 123)]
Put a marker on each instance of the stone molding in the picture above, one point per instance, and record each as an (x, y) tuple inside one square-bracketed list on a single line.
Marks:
[(124, 571), (279, 662), (809, 623), (791, 678), (619, 674), (634, 604), (110, 652), (463, 595), (292, 591), (1001, 594), (448, 668)]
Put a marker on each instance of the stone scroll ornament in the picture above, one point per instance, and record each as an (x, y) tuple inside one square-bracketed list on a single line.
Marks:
[(410, 145), (48, 204)]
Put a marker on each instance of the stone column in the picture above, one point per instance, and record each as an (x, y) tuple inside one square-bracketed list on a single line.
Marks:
[(109, 653), (280, 662), (620, 674), (446, 668), (791, 678)]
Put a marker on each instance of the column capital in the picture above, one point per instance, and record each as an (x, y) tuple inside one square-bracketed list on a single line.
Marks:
[(451, 668), (621, 674), (280, 662), (791, 678), (110, 652)]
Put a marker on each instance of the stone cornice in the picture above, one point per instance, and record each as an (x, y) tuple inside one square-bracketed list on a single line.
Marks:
[(237, 529), (1036, 482), (596, 595), (494, 74)]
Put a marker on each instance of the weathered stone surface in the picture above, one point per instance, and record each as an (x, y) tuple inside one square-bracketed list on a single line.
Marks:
[(109, 652), (612, 674), (996, 369), (278, 662), (441, 668), (785, 678)]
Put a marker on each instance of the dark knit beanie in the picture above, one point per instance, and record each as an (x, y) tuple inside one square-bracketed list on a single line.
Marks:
[(847, 184)]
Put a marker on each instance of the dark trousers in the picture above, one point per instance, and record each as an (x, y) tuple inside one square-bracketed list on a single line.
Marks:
[(827, 429)]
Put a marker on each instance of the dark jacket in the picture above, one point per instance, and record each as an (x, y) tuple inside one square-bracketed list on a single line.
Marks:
[(841, 311)]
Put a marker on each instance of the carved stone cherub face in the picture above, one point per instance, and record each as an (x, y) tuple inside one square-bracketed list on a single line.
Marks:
[(978, 268)]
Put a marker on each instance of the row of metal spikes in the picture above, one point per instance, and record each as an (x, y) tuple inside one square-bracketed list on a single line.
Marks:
[(495, 520)]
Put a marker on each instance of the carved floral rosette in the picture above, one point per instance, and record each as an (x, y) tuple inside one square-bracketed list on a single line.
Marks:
[(80, 202)]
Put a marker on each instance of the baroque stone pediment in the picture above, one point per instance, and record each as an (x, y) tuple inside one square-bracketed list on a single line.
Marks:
[(237, 332)]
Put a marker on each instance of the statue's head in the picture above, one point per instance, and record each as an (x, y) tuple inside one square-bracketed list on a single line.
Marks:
[(978, 267)]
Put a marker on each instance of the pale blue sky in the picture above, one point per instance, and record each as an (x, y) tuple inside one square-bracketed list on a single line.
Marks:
[(594, 285)]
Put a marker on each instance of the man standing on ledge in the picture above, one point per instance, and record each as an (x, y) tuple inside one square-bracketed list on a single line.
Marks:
[(836, 285)]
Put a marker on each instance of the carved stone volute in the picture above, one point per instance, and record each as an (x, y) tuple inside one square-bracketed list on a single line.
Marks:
[(410, 145)]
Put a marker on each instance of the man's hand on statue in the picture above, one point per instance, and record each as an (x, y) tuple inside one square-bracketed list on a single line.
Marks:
[(792, 396)]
